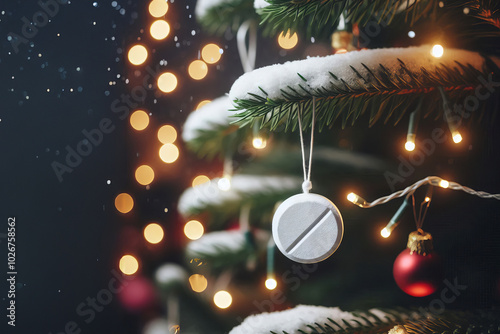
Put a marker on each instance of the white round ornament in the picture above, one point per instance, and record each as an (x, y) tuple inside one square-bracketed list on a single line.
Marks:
[(307, 228)]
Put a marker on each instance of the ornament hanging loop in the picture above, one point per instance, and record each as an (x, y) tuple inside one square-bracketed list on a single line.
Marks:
[(307, 185)]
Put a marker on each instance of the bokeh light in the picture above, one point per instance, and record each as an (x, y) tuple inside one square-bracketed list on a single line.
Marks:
[(202, 103), (193, 229), (211, 53), (385, 233), (409, 146), (124, 203), (198, 69), (200, 179), (198, 282), (144, 175), (153, 233), (224, 183), (139, 120), (167, 82), (128, 264), (159, 29), (223, 299), (457, 137), (169, 153), (167, 134), (287, 41), (259, 143), (437, 51), (137, 54), (158, 8)]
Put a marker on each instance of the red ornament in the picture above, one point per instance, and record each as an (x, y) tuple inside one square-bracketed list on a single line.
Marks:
[(137, 294), (418, 269)]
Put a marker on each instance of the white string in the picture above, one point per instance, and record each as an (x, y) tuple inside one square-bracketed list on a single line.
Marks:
[(307, 185), (247, 55), (432, 180)]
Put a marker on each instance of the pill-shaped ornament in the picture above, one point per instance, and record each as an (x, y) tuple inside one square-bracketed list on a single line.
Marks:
[(307, 228)]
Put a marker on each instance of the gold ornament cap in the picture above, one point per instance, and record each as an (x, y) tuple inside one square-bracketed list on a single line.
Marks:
[(420, 242)]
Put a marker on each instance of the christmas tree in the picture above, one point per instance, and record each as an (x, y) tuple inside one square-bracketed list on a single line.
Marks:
[(365, 99)]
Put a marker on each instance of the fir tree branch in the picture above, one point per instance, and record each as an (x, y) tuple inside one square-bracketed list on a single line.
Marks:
[(381, 93), (322, 17)]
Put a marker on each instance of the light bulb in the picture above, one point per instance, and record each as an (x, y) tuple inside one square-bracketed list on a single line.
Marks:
[(457, 137), (224, 183), (259, 143), (444, 184), (410, 146), (271, 284), (355, 199), (437, 51), (385, 232)]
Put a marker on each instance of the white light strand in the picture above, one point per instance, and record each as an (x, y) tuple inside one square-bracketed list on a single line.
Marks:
[(306, 186), (432, 180)]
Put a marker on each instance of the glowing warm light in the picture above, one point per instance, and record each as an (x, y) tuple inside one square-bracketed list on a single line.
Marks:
[(259, 143), (340, 51), (224, 183), (169, 153), (200, 179), (437, 51), (385, 232), (128, 265), (352, 197), (167, 134), (457, 137), (427, 199), (444, 184), (193, 229), (153, 233), (124, 203), (271, 284), (198, 282), (410, 146), (202, 103), (223, 299), (411, 34), (198, 69), (288, 42), (139, 120), (137, 54), (167, 82), (158, 8), (144, 175), (211, 53), (159, 29)]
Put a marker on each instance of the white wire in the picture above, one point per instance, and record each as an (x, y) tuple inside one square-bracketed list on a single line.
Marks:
[(432, 180), (306, 186)]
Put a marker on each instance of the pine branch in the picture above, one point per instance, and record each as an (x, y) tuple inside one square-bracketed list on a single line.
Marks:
[(486, 10), (219, 142), (322, 17), (228, 16), (381, 93)]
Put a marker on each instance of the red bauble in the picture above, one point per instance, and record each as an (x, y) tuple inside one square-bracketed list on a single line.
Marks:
[(418, 269), (137, 294)]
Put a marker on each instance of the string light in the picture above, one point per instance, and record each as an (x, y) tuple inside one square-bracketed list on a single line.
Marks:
[(271, 283), (287, 41), (259, 143), (224, 183), (124, 203), (412, 128), (137, 54), (199, 180), (169, 153), (160, 29), (153, 233), (437, 51), (128, 264), (139, 120), (457, 137), (211, 53), (193, 230), (167, 82), (355, 199), (223, 299), (452, 124), (198, 283), (393, 223), (198, 69), (444, 184), (144, 175)]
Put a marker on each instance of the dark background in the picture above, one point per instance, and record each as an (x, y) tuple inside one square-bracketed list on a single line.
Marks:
[(69, 236)]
